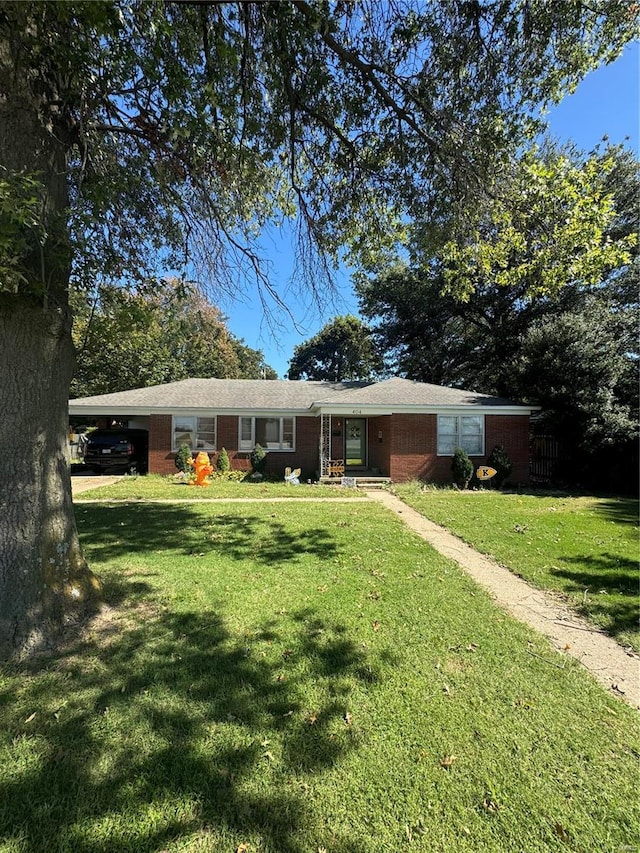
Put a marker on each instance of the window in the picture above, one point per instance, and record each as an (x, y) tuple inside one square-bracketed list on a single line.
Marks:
[(197, 433), (270, 433), (465, 431)]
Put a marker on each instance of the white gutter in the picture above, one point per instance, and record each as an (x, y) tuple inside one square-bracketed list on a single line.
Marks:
[(371, 410)]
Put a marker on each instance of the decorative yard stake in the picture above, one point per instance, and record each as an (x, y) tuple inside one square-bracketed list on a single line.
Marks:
[(292, 478), (484, 472)]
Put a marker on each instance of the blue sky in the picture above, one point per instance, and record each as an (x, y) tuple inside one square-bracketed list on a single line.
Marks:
[(605, 103)]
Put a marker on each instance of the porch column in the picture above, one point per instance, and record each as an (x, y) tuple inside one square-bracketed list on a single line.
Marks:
[(325, 443)]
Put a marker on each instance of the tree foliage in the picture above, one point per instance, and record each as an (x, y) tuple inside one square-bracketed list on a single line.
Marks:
[(428, 333), (546, 227), (373, 109), (134, 339), (574, 351), (342, 349), (574, 364)]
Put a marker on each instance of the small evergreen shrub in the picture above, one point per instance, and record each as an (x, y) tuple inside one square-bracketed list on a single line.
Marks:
[(461, 468), (222, 462), (501, 462), (258, 460), (184, 461)]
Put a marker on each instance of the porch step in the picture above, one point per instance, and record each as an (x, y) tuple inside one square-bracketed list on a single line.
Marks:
[(373, 482)]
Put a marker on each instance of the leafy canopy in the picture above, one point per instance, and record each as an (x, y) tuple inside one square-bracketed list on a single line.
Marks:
[(130, 340), (186, 127), (427, 333), (573, 350), (342, 349), (546, 227)]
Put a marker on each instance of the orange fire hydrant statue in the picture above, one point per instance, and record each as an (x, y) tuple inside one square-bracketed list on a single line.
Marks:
[(203, 468)]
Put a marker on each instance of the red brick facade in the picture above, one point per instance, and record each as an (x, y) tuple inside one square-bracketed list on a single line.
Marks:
[(306, 455), (400, 446), (413, 453), (161, 460)]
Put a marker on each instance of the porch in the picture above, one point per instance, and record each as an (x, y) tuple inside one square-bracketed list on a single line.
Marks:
[(351, 445)]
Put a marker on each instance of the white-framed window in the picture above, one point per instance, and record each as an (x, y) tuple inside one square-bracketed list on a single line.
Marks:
[(269, 433), (198, 433), (465, 431)]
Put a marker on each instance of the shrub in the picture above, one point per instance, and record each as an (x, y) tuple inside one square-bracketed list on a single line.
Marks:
[(184, 460), (222, 462), (229, 476), (258, 460), (501, 462), (461, 468)]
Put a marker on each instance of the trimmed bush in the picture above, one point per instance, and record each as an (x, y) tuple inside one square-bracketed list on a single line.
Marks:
[(461, 468), (258, 460), (222, 462), (501, 462), (184, 460)]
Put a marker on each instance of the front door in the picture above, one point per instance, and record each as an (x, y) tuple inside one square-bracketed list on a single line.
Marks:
[(355, 442)]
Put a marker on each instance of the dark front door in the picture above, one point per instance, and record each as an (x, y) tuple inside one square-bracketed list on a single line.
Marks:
[(355, 442)]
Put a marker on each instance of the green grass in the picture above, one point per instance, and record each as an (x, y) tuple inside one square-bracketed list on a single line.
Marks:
[(585, 548), (156, 487), (300, 681)]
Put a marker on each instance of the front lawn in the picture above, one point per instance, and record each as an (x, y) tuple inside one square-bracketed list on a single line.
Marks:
[(270, 681), (583, 547), (156, 487)]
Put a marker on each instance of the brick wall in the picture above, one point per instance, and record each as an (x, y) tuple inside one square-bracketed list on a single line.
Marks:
[(413, 450), (162, 458), (414, 447), (380, 447), (512, 432), (407, 450)]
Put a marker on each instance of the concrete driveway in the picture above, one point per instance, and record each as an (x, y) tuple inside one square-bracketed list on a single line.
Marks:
[(83, 483)]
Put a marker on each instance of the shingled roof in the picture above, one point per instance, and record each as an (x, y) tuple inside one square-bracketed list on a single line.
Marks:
[(290, 396), (406, 392)]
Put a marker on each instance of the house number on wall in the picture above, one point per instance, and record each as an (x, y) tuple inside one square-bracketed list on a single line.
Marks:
[(356, 412)]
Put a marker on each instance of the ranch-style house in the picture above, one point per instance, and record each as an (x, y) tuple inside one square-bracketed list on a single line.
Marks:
[(395, 428)]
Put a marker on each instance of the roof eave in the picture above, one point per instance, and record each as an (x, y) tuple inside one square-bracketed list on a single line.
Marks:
[(372, 410), (76, 408)]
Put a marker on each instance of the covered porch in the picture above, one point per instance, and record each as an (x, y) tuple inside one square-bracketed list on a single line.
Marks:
[(353, 445)]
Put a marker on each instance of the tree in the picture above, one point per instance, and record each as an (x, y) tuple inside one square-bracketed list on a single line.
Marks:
[(429, 333), (430, 336), (130, 340), (140, 136), (574, 351), (573, 364), (342, 349)]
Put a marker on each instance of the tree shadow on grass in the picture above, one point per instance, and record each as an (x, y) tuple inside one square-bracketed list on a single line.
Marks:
[(619, 510), (117, 530), (609, 585), (171, 725)]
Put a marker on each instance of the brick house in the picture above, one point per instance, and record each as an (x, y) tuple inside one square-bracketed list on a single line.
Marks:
[(395, 428)]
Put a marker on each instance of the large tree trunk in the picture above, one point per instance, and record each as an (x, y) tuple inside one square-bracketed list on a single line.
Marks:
[(44, 580)]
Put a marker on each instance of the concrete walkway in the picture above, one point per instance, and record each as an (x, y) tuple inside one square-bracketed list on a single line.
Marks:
[(616, 669)]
